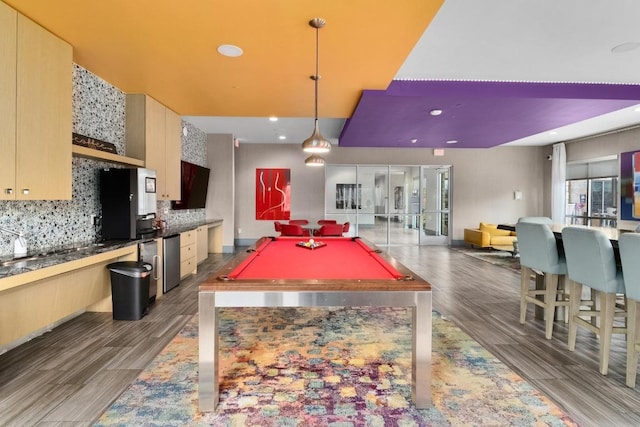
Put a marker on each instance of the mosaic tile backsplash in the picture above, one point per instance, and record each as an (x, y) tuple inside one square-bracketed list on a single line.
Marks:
[(98, 112)]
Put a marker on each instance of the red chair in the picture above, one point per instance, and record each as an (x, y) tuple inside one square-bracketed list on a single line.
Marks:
[(291, 230), (329, 230), (326, 221), (298, 221), (278, 226), (345, 227)]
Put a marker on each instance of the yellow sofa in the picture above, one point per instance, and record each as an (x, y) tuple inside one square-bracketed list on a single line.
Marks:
[(489, 235)]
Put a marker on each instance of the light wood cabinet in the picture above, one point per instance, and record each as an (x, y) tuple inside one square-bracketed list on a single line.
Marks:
[(202, 243), (8, 47), (153, 134), (35, 111), (188, 262)]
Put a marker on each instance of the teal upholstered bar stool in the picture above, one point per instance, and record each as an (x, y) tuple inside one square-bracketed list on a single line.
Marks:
[(536, 219), (629, 244), (539, 255), (591, 262)]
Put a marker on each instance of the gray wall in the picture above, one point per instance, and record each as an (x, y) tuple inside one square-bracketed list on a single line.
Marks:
[(307, 186), (483, 181), (221, 194)]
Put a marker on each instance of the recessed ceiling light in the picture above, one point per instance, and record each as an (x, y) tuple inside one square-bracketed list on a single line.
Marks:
[(413, 141), (281, 137), (229, 50), (452, 141), (625, 47), (435, 112), (273, 119)]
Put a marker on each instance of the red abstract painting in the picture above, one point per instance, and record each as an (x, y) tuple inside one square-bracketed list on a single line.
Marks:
[(273, 194)]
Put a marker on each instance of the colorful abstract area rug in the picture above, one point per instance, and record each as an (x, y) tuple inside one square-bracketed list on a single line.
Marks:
[(334, 367)]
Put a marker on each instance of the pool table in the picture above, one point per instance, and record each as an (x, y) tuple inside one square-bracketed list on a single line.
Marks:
[(342, 271)]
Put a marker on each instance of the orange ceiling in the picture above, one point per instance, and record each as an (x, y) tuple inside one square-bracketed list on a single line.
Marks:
[(168, 49)]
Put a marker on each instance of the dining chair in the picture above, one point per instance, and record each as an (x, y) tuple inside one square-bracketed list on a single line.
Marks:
[(539, 255), (329, 230), (298, 221), (291, 230), (591, 262), (629, 244), (345, 227), (277, 225), (326, 221)]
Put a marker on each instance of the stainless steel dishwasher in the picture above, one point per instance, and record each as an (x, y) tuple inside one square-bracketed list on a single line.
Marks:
[(171, 257)]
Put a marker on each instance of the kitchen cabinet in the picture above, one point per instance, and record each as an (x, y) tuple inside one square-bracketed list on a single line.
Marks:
[(188, 263), (35, 110), (153, 134), (202, 243)]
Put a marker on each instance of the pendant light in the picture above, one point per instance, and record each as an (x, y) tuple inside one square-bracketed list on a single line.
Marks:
[(314, 160), (316, 143)]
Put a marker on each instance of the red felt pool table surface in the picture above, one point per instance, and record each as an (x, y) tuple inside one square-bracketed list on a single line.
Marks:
[(340, 258), (344, 262)]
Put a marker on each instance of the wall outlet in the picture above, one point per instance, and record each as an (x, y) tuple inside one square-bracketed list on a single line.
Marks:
[(93, 220), (239, 230)]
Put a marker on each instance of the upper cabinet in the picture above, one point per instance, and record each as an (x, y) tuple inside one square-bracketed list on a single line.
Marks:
[(153, 134), (8, 47), (35, 111)]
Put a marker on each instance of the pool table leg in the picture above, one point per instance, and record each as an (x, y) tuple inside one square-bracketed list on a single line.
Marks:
[(208, 378), (421, 360)]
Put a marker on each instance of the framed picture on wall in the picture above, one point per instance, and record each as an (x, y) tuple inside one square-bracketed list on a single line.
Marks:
[(348, 196), (273, 194)]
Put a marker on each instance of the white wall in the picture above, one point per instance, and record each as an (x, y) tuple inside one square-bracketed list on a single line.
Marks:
[(483, 181)]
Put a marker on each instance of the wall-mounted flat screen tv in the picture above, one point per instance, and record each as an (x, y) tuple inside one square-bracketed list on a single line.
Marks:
[(194, 183)]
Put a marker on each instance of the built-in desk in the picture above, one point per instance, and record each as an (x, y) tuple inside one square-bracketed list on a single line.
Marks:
[(56, 289)]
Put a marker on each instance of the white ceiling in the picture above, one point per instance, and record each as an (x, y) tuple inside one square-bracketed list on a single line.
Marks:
[(500, 40)]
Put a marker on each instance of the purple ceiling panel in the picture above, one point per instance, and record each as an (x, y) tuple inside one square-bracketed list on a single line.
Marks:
[(476, 114)]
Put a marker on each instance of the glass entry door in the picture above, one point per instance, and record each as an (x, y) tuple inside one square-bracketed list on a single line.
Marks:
[(435, 212)]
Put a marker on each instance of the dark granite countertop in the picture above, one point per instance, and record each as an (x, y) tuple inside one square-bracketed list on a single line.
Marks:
[(47, 258), (53, 256), (173, 230)]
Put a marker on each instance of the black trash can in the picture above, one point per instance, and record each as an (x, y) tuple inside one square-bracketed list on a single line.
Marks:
[(130, 289)]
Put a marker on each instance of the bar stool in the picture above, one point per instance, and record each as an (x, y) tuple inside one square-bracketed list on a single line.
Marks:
[(591, 262), (629, 244), (536, 219), (539, 253)]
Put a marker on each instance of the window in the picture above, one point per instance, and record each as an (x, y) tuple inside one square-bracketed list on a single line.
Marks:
[(592, 192), (592, 201)]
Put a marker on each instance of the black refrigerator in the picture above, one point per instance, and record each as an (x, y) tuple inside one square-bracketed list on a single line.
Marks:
[(128, 198)]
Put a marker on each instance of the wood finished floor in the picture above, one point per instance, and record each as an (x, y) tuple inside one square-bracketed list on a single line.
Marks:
[(69, 376)]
